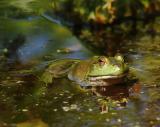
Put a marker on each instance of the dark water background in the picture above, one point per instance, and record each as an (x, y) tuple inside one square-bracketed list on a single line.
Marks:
[(27, 39)]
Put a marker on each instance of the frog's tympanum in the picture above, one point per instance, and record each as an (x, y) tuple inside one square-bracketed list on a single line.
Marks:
[(96, 71)]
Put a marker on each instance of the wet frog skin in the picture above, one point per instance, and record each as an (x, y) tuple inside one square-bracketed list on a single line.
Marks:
[(96, 71)]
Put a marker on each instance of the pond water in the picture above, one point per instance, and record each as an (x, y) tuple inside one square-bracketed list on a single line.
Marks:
[(27, 40)]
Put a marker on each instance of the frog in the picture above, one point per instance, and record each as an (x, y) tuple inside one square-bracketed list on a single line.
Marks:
[(95, 71)]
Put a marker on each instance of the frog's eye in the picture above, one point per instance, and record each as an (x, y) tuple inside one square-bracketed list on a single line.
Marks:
[(102, 60)]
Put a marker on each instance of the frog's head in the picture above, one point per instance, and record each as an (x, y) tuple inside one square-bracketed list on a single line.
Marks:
[(108, 67)]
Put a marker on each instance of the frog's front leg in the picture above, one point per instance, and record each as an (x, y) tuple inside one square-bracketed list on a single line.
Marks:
[(94, 91)]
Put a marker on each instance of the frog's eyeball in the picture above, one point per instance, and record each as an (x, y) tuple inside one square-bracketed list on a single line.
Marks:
[(102, 60)]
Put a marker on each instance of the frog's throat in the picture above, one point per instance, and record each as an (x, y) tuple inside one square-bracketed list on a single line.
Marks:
[(93, 78)]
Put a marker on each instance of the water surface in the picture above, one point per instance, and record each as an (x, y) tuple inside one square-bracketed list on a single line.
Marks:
[(27, 40)]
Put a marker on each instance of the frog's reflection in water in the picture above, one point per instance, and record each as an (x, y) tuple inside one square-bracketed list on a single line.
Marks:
[(115, 95)]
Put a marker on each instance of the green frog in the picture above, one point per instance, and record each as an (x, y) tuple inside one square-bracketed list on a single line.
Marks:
[(96, 71)]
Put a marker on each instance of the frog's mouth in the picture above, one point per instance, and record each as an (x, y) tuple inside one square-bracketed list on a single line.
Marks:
[(106, 80), (95, 78)]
